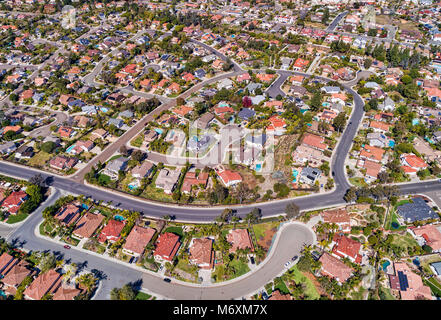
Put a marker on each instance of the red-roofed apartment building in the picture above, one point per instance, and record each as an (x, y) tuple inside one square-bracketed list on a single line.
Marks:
[(239, 239), (201, 253), (346, 247), (47, 282), (338, 216), (334, 268), (137, 240), (166, 246), (14, 201), (112, 231)]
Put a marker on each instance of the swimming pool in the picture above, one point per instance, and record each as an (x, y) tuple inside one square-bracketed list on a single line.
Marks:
[(119, 218), (258, 167), (385, 265), (391, 143), (415, 122), (104, 109), (2, 293), (326, 104), (295, 173), (158, 131), (68, 150)]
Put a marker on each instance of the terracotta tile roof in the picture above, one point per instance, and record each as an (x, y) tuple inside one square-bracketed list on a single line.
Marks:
[(68, 214), (88, 224), (315, 141), (334, 268), (66, 293), (416, 288), (372, 168), (229, 177), (380, 125), (414, 161), (111, 231), (5, 261), (201, 252), (346, 247), (372, 153), (338, 216), (16, 274), (138, 238), (239, 239), (167, 245), (431, 234), (42, 284)]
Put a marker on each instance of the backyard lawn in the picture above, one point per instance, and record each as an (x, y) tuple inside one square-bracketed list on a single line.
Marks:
[(311, 291)]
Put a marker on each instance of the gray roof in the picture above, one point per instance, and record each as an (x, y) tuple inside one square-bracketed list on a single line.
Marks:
[(310, 173), (246, 113), (416, 211), (437, 267), (117, 164), (126, 114)]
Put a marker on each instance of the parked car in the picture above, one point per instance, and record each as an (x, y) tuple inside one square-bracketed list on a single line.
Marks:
[(67, 247), (252, 260), (167, 280)]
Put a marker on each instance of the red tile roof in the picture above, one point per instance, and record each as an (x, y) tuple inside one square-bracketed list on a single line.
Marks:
[(42, 284), (239, 239), (167, 245), (138, 238), (111, 231), (334, 268)]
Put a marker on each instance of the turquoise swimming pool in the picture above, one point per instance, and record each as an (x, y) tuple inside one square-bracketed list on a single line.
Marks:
[(159, 131), (295, 173), (119, 218), (385, 265), (68, 150), (258, 167), (104, 109)]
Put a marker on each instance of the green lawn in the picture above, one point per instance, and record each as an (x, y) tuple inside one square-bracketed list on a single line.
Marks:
[(142, 296), (385, 294), (39, 159), (175, 230), (358, 182), (239, 267), (16, 218), (137, 141), (259, 229), (404, 241), (311, 291)]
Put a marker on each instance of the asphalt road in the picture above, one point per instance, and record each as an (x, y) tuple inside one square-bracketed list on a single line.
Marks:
[(290, 243)]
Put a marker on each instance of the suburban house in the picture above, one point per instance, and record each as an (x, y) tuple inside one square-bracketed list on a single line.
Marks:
[(347, 248), (14, 276), (14, 201), (240, 239), (167, 180), (229, 178), (111, 231), (45, 283), (334, 268), (191, 180), (142, 170), (340, 217), (201, 252), (428, 234), (62, 162), (167, 246), (137, 240), (309, 175), (417, 210), (68, 214), (114, 166), (409, 285), (87, 225)]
